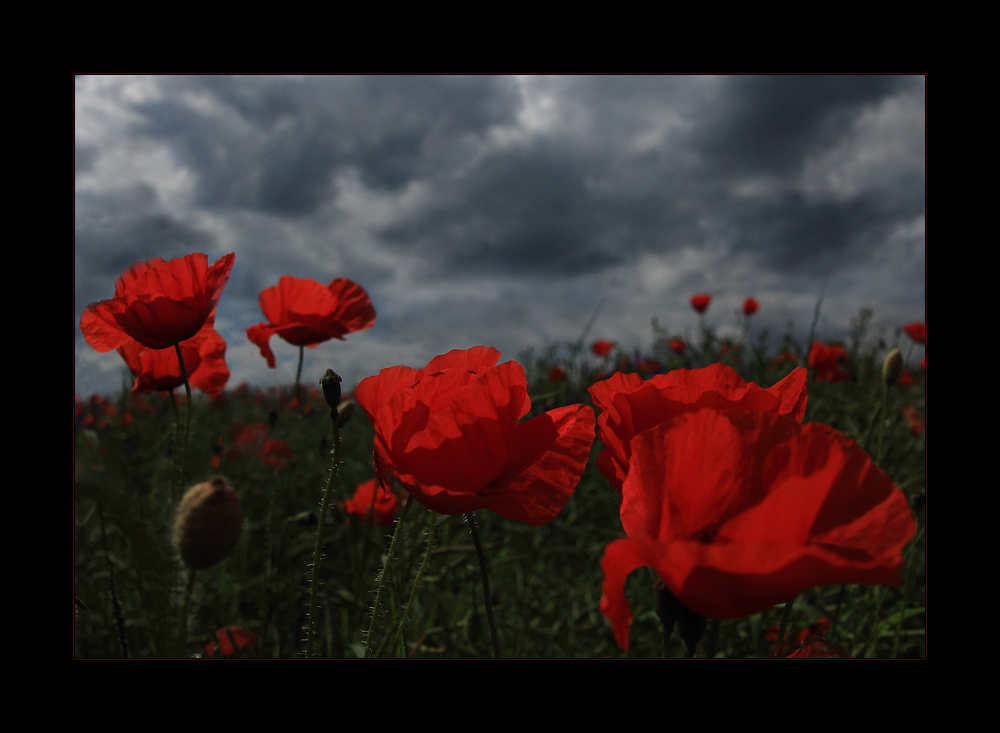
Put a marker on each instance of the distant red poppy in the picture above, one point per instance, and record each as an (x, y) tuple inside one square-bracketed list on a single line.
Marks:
[(158, 369), (372, 504), (602, 348), (450, 433), (700, 302), (678, 346), (739, 511), (557, 374), (648, 365), (914, 420), (750, 306), (157, 303), (242, 638), (255, 440), (826, 362), (306, 313), (906, 379), (917, 332), (629, 405)]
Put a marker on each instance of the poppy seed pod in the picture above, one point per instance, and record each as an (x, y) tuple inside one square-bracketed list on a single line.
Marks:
[(208, 523), (892, 367), (331, 388)]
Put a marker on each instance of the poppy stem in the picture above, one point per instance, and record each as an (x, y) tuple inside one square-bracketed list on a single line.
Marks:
[(381, 580), (487, 598), (784, 620), (298, 374), (416, 581), (317, 551), (187, 426), (185, 605)]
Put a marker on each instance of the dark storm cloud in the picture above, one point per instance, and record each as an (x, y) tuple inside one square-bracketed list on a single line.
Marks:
[(767, 124), (275, 144), (116, 228)]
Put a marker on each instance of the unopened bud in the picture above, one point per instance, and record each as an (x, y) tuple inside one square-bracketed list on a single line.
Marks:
[(331, 389), (208, 524), (892, 368), (344, 411)]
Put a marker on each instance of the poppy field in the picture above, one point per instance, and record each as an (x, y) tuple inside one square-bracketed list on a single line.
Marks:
[(709, 498)]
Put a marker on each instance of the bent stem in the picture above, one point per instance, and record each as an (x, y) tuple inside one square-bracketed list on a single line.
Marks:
[(318, 549), (487, 598), (416, 581), (381, 579)]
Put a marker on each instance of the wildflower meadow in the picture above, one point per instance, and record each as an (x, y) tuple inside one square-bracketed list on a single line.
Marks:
[(709, 498)]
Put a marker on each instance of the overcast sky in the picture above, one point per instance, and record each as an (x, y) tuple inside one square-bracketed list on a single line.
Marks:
[(502, 210)]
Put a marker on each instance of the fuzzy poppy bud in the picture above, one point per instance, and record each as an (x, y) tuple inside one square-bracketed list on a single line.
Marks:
[(344, 411), (331, 388), (892, 367), (208, 523)]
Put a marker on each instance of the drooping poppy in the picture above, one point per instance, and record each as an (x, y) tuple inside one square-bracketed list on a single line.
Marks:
[(158, 369), (678, 346), (602, 348), (305, 312), (739, 511), (373, 504), (750, 306), (630, 405), (917, 332), (826, 362), (157, 303), (450, 433), (700, 302)]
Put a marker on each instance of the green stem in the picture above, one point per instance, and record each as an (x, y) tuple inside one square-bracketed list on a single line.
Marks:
[(298, 374), (471, 519), (324, 506), (416, 581), (185, 605), (187, 426), (381, 579), (784, 620), (885, 415)]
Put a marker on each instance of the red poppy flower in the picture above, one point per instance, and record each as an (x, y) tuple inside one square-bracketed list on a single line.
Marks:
[(825, 361), (157, 303), (630, 405), (158, 369), (700, 302), (917, 332), (557, 374), (373, 504), (306, 313), (450, 433), (739, 511), (678, 346), (750, 306), (602, 348)]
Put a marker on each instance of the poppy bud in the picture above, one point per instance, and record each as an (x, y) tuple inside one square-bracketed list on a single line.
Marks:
[(892, 368), (208, 524), (344, 411), (331, 388)]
